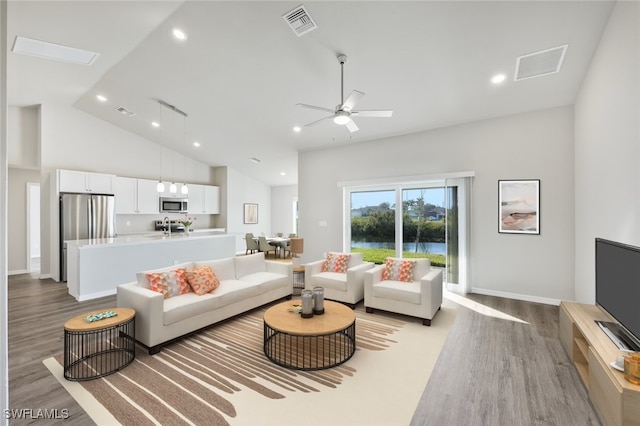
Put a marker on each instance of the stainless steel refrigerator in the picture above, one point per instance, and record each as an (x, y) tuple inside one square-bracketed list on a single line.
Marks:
[(82, 217)]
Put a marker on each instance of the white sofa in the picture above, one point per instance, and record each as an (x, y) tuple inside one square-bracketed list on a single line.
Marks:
[(246, 282), (422, 297), (346, 287)]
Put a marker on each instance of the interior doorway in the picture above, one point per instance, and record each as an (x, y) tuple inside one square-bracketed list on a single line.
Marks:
[(33, 228)]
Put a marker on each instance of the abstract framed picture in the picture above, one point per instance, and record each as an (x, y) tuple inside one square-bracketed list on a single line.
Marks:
[(250, 213), (519, 206)]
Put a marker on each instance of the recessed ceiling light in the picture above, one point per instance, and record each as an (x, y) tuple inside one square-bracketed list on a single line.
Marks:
[(179, 34), (101, 98), (283, 174), (155, 124), (498, 78), (196, 144), (297, 129), (255, 160)]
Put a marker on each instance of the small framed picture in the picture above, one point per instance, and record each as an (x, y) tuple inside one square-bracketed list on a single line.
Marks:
[(519, 206), (250, 213)]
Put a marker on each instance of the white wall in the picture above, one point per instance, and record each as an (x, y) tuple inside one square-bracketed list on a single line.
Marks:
[(242, 189), (607, 146), (282, 198), (23, 147), (537, 145), (18, 216)]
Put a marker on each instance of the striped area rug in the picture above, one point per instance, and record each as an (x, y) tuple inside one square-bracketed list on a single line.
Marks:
[(220, 376)]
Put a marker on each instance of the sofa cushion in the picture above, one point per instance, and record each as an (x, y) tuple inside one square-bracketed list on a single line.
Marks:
[(143, 281), (202, 280), (336, 262), (251, 264), (170, 283), (333, 280), (266, 281), (224, 269), (188, 306), (398, 290), (231, 291), (398, 270)]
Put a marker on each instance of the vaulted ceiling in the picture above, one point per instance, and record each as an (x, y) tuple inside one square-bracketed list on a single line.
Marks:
[(242, 70)]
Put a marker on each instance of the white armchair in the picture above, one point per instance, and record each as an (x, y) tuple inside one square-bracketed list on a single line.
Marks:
[(347, 287), (420, 297)]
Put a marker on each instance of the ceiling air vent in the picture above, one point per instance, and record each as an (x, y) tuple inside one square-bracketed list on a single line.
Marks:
[(300, 21), (122, 110), (540, 63)]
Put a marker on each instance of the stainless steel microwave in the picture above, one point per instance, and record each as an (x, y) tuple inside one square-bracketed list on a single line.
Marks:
[(173, 205)]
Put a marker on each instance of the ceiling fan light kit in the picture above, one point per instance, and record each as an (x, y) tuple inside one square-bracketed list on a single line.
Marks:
[(342, 113)]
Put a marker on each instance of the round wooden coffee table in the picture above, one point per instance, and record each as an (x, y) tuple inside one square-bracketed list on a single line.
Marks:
[(316, 343), (96, 349)]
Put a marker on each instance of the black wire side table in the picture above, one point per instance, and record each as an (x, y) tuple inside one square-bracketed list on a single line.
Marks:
[(99, 348), (317, 343)]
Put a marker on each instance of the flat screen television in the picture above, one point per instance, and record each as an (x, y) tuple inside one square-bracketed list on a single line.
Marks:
[(618, 291)]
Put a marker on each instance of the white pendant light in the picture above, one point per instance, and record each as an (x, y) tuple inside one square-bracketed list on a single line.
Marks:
[(160, 186), (173, 188), (185, 189)]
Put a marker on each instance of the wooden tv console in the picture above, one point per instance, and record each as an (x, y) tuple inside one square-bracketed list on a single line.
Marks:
[(616, 400)]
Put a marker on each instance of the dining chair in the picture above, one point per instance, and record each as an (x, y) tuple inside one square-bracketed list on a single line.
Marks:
[(265, 247), (252, 245)]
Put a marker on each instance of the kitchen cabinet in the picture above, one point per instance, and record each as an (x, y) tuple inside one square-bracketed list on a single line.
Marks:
[(204, 199), (77, 181), (136, 196)]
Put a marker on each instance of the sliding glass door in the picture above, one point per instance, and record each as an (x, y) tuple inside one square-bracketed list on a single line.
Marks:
[(429, 220)]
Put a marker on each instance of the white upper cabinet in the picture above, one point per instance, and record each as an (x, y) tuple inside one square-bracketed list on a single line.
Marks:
[(136, 196), (204, 199), (75, 181)]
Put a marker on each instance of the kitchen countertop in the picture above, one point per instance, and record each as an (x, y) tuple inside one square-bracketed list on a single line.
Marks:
[(147, 237)]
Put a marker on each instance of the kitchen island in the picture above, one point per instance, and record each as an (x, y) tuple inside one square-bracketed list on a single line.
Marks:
[(96, 267)]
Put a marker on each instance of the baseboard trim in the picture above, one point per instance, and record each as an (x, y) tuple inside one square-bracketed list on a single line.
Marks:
[(516, 296), (17, 272), (96, 295)]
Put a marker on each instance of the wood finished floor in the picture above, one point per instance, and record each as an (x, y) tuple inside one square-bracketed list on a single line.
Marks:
[(490, 372)]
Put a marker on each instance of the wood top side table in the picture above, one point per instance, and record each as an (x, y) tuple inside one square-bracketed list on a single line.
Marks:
[(99, 348)]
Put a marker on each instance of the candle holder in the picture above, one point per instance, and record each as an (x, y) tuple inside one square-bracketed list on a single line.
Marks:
[(632, 368), (307, 304), (318, 300)]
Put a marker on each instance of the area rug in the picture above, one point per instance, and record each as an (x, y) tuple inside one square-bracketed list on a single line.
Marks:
[(220, 376)]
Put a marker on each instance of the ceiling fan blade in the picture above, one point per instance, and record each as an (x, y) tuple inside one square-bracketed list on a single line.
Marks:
[(352, 126), (313, 123), (352, 100), (373, 113), (315, 107)]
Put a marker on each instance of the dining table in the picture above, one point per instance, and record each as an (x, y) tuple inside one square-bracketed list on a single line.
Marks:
[(279, 242)]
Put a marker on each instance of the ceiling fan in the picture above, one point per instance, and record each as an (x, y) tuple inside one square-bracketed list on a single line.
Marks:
[(344, 112)]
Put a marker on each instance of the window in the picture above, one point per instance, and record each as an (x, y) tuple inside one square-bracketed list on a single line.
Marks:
[(413, 220), (379, 229)]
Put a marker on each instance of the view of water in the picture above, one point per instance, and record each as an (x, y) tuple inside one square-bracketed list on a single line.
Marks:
[(433, 248)]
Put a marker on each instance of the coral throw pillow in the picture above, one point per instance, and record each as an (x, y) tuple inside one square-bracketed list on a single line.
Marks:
[(398, 270), (336, 262), (171, 283), (202, 280)]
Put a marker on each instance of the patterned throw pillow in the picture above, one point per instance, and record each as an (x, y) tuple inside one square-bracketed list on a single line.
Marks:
[(202, 280), (171, 283), (398, 270), (336, 262)]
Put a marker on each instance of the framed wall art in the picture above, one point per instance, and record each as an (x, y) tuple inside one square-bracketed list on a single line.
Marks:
[(250, 213), (519, 206)]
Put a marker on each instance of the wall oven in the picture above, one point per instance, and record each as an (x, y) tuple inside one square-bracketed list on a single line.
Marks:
[(173, 205)]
